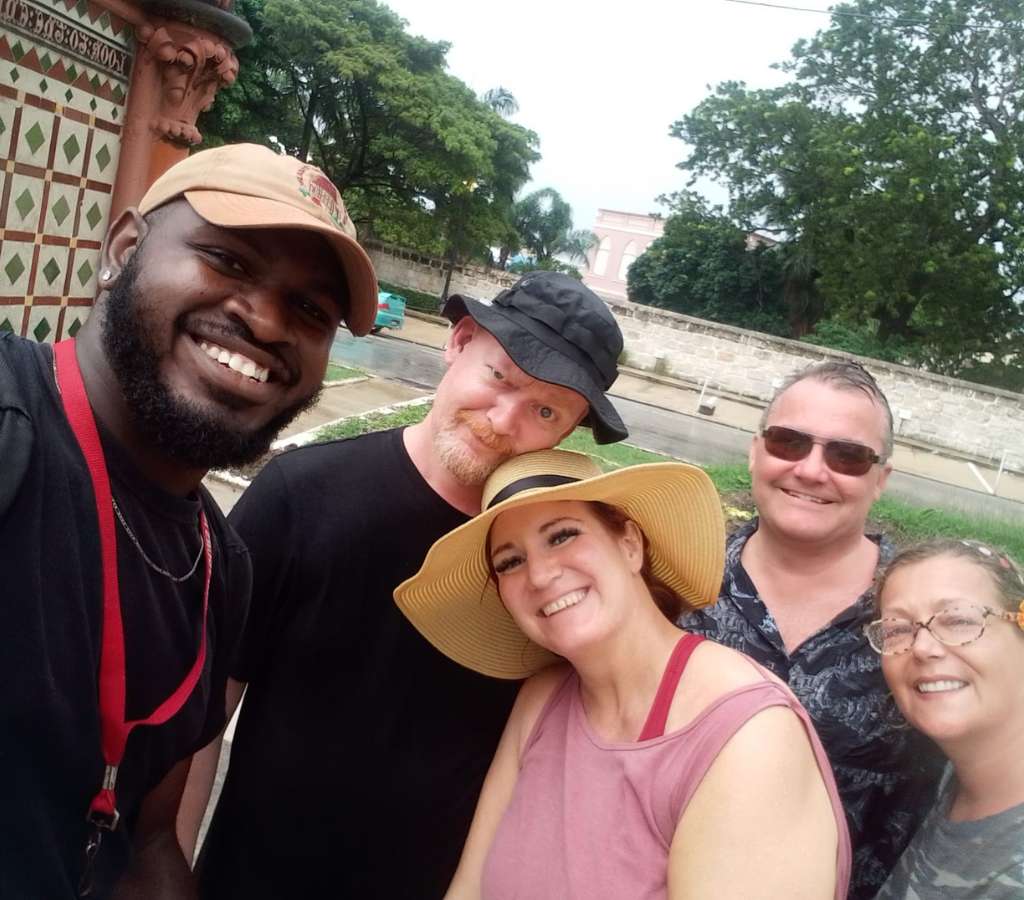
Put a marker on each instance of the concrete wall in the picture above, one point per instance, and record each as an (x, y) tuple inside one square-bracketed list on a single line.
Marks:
[(943, 412), (424, 273)]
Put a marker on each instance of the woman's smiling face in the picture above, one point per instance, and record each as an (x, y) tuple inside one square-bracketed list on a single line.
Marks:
[(565, 579), (953, 694)]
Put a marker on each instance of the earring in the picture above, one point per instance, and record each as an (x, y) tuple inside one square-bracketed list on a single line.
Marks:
[(106, 275)]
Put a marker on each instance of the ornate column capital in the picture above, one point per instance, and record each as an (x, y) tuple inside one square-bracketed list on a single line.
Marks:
[(193, 66)]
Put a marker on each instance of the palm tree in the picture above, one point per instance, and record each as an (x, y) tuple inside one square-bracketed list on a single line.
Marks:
[(577, 244), (501, 101)]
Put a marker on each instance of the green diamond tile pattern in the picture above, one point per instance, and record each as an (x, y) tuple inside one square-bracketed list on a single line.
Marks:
[(14, 268), (24, 203), (61, 210), (51, 270), (84, 273), (34, 137), (82, 8), (76, 147), (71, 148)]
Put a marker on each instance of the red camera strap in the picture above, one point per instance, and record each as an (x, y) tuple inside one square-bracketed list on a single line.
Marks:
[(114, 728)]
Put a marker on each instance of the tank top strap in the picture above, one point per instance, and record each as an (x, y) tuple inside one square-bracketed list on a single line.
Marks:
[(658, 716)]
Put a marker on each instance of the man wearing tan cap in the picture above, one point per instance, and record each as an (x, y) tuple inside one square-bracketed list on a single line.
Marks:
[(124, 589)]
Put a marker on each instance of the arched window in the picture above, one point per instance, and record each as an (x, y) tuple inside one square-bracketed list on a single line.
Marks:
[(601, 256), (628, 258)]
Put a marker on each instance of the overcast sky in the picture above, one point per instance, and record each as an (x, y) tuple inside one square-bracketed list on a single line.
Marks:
[(601, 87)]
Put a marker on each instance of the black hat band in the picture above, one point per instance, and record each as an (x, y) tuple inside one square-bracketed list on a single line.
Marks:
[(528, 483)]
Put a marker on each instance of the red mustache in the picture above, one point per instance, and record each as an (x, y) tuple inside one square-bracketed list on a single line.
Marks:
[(485, 434)]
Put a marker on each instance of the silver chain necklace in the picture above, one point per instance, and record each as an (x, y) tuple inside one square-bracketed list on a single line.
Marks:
[(176, 579)]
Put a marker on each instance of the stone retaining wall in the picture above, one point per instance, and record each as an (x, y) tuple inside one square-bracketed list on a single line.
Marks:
[(940, 411), (944, 412), (426, 273)]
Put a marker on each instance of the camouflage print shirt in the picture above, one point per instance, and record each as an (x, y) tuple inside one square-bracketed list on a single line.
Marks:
[(980, 860), (886, 773)]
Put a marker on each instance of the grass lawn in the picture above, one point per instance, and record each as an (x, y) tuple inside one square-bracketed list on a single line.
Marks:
[(903, 523), (337, 372), (357, 425)]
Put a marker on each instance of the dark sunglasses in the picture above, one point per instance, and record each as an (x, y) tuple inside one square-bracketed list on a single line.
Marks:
[(844, 457)]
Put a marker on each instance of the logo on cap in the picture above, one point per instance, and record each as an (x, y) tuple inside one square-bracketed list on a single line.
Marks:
[(320, 191)]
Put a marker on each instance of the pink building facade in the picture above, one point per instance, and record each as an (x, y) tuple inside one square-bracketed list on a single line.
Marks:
[(622, 237)]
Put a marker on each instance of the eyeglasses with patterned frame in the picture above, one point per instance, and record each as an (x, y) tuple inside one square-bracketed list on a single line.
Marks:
[(954, 626)]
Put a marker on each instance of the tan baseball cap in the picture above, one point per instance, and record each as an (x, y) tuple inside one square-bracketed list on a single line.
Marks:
[(250, 186)]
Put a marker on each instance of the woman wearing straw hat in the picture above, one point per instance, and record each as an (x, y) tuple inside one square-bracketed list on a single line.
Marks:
[(639, 761)]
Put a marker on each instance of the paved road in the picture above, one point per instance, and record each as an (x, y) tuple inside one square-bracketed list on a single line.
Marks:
[(655, 428)]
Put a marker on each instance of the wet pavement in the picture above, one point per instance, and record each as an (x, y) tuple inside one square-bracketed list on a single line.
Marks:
[(662, 415)]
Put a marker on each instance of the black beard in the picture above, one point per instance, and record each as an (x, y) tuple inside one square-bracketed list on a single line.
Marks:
[(190, 435)]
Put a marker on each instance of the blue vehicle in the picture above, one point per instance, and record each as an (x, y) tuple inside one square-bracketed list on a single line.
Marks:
[(390, 311)]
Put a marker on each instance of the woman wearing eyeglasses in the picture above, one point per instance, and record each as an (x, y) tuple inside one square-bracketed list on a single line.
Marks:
[(951, 635)]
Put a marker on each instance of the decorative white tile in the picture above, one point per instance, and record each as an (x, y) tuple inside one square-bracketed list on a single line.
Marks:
[(34, 138), (84, 264), (61, 206), (51, 271), (25, 206), (72, 139), (42, 323)]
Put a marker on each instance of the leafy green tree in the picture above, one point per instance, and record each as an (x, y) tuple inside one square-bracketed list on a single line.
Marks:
[(701, 266), (893, 160), (343, 83)]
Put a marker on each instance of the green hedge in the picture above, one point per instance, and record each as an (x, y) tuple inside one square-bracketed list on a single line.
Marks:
[(413, 299)]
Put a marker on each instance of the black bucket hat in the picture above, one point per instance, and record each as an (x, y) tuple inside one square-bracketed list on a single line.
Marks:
[(556, 330)]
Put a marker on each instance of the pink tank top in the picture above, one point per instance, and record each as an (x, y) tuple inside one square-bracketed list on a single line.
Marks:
[(592, 820)]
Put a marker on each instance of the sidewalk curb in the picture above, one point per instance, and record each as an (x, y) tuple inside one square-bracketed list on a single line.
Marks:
[(427, 317), (356, 379)]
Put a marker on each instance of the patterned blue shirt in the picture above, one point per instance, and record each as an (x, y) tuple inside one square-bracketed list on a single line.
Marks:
[(886, 773)]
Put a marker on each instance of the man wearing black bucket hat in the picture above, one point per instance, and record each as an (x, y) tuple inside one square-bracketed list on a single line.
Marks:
[(360, 749)]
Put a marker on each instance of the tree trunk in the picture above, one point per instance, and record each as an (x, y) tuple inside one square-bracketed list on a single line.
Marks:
[(307, 128)]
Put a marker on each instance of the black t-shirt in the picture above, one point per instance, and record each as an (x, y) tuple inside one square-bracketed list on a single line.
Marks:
[(51, 604), (360, 749)]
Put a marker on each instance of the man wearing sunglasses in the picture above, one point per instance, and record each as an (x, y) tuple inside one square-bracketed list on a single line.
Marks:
[(798, 590)]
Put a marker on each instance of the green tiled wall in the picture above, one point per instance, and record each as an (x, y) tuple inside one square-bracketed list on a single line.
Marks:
[(60, 128)]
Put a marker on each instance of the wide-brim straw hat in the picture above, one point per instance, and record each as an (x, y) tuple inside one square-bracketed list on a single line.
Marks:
[(453, 602)]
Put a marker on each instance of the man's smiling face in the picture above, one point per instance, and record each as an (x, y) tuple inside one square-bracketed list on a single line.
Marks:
[(805, 500), (220, 337)]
